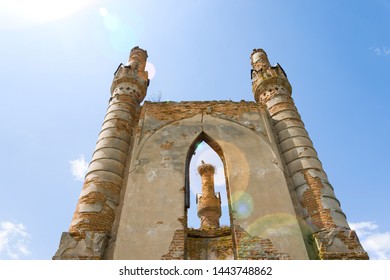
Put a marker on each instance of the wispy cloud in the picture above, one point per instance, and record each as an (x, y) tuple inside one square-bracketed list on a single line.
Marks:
[(363, 228), (381, 51), (14, 240), (79, 168), (376, 243)]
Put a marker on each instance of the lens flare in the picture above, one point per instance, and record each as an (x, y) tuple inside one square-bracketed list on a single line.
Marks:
[(198, 147), (111, 22), (122, 38), (278, 224), (151, 69), (240, 170), (121, 35), (103, 12), (242, 204)]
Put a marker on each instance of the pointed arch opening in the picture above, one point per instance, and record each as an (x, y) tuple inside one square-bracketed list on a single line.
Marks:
[(210, 237), (206, 149)]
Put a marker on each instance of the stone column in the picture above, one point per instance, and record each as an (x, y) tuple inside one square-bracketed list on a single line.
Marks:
[(321, 209), (95, 212), (209, 205)]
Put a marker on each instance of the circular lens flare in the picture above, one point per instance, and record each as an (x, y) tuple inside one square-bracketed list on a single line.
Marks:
[(111, 22), (276, 224), (121, 35), (103, 11), (242, 204), (151, 69)]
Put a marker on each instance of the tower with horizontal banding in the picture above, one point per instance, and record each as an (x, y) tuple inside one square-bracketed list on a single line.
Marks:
[(209, 205), (318, 204), (135, 198), (96, 209)]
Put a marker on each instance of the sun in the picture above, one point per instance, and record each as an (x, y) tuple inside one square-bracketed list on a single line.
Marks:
[(23, 13)]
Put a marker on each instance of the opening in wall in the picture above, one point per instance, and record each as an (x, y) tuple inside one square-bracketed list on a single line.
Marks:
[(203, 152)]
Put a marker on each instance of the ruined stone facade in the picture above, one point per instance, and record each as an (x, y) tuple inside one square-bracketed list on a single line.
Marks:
[(135, 197)]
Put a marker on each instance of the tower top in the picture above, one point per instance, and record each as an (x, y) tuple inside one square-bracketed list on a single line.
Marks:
[(134, 72), (259, 60), (264, 76), (206, 168), (137, 48), (139, 55)]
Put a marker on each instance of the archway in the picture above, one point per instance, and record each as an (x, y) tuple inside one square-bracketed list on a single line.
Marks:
[(207, 154)]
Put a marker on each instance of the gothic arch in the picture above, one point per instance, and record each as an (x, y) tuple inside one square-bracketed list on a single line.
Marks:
[(202, 137), (216, 133), (157, 176)]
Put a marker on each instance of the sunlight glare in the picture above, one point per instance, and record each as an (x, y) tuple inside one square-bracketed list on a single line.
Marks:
[(103, 12), (21, 13), (276, 224), (242, 204)]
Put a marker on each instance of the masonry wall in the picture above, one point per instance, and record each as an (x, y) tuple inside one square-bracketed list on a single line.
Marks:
[(215, 244), (135, 196), (152, 212)]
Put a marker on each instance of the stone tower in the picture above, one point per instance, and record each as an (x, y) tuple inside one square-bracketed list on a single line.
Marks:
[(209, 205), (135, 197)]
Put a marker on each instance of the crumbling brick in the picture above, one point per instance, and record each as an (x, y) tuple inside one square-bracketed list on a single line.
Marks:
[(311, 200)]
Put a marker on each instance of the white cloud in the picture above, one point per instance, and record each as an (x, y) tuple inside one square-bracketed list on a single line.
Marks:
[(381, 51), (14, 240), (376, 243), (79, 168), (363, 228), (219, 177)]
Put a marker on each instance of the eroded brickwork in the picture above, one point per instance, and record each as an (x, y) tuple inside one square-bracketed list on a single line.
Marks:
[(319, 207), (339, 244), (256, 248), (88, 246), (96, 209), (217, 244), (177, 247), (311, 200), (211, 244), (133, 200), (244, 112), (168, 110)]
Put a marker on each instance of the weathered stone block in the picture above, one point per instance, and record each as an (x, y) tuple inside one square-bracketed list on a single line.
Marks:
[(339, 243), (91, 246)]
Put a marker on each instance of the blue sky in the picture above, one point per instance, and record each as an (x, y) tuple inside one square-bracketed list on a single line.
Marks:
[(57, 65)]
